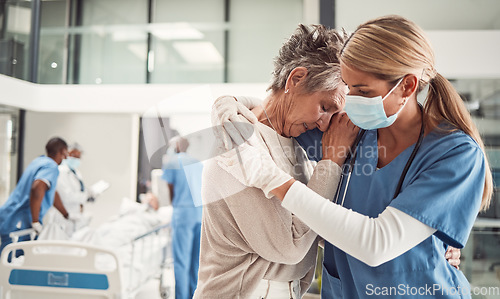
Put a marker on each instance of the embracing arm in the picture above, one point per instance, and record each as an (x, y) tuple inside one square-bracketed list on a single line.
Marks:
[(229, 115), (249, 102), (450, 206), (271, 232), (37, 193), (371, 240), (374, 241)]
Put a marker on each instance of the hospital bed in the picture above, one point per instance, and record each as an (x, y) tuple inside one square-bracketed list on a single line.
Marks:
[(70, 269)]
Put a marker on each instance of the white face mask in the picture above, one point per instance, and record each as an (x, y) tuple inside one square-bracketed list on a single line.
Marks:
[(72, 162), (369, 113)]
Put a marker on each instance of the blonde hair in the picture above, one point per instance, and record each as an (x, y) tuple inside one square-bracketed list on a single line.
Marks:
[(391, 47)]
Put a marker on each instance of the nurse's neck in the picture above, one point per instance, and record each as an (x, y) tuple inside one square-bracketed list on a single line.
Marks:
[(405, 130)]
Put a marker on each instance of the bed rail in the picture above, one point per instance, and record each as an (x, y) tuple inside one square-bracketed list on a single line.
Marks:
[(152, 251), (65, 269), (56, 269)]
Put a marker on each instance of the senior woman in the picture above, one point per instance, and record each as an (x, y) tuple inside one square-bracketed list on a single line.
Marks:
[(251, 247)]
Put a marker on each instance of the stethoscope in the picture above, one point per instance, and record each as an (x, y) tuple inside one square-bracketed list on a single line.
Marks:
[(348, 166)]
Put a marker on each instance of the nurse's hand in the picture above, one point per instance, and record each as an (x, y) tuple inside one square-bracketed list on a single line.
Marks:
[(37, 226), (338, 138), (452, 255), (227, 113)]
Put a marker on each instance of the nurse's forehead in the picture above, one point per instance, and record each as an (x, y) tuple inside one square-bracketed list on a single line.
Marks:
[(355, 85), (354, 76)]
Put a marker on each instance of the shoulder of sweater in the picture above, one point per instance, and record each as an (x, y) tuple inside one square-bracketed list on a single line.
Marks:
[(217, 183)]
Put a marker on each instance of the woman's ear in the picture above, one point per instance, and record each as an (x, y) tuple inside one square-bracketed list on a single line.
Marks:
[(410, 84), (296, 77)]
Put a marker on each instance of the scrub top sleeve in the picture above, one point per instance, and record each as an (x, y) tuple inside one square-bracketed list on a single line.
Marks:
[(171, 170), (447, 195), (46, 182), (47, 174), (169, 175)]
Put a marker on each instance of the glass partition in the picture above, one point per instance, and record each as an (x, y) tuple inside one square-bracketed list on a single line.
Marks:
[(121, 42), (480, 257), (53, 51), (15, 20)]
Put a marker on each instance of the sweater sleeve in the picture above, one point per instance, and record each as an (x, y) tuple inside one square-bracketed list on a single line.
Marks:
[(271, 231), (374, 241)]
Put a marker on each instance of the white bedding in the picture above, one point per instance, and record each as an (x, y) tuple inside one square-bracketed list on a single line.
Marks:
[(123, 229), (134, 219)]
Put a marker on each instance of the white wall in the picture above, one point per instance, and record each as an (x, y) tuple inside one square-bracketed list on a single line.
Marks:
[(5, 157), (258, 29), (110, 143), (467, 54)]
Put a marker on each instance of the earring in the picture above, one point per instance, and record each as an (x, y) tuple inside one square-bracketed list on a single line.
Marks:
[(286, 91)]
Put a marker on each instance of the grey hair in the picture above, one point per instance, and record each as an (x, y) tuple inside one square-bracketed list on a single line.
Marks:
[(75, 146), (317, 49)]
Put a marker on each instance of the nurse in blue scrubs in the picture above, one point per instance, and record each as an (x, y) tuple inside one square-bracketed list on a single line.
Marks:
[(414, 182), (34, 193), (183, 175)]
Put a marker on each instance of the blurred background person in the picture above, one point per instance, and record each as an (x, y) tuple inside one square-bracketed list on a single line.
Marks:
[(184, 184), (73, 193), (34, 193)]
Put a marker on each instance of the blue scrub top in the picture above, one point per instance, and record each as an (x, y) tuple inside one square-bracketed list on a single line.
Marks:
[(184, 172), (310, 141), (15, 214), (443, 189)]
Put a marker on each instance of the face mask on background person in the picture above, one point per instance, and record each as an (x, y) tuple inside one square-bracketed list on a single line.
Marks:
[(72, 162), (369, 113)]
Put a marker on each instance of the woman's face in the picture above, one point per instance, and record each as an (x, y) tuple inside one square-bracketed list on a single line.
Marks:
[(364, 84), (313, 110)]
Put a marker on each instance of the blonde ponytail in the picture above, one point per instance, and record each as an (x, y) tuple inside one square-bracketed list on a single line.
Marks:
[(444, 103)]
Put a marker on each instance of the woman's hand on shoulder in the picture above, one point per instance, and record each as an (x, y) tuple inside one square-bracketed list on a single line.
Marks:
[(338, 138), (230, 120)]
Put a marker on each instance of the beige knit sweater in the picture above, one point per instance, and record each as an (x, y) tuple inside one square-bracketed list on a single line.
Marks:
[(246, 237)]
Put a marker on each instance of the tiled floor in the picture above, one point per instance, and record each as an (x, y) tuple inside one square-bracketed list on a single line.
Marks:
[(151, 290)]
